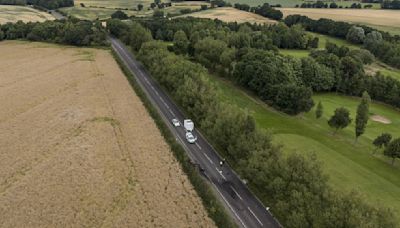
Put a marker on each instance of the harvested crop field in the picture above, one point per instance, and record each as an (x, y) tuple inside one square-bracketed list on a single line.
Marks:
[(381, 19), (78, 148), (229, 14), (23, 13)]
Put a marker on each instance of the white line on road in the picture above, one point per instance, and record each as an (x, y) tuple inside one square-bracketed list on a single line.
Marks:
[(236, 192), (234, 212), (198, 146), (220, 173), (208, 158), (255, 216)]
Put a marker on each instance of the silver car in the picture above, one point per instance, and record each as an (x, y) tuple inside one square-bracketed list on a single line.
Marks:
[(190, 137), (176, 123)]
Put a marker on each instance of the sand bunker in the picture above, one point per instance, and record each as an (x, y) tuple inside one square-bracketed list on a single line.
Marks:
[(380, 119)]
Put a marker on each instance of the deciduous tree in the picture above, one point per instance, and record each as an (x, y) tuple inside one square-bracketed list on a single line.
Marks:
[(340, 119)]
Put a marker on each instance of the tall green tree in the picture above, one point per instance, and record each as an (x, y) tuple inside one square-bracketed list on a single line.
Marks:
[(393, 150), (138, 36), (362, 115), (181, 42), (340, 119), (319, 111), (382, 141), (208, 51)]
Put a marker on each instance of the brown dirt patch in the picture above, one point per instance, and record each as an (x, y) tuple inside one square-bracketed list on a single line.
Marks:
[(229, 14), (78, 148), (387, 18), (380, 119)]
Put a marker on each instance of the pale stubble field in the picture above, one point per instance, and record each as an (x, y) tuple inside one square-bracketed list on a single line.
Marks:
[(78, 148)]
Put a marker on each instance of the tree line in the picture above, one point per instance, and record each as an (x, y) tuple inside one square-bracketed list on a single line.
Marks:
[(292, 184), (383, 45), (47, 4), (248, 57), (265, 10), (387, 4), (73, 32)]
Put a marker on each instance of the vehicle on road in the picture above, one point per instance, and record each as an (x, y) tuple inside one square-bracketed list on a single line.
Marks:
[(176, 123), (188, 124), (190, 137)]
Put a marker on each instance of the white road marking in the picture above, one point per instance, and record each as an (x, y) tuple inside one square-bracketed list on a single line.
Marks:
[(220, 173), (255, 216), (208, 158), (198, 146), (234, 212), (236, 192)]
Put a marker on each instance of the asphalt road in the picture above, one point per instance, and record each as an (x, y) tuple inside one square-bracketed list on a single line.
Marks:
[(245, 208)]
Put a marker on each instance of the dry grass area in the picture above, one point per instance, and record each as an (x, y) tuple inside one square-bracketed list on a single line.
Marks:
[(23, 13), (381, 19), (78, 148), (229, 14)]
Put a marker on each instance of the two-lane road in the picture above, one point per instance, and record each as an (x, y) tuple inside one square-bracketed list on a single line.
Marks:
[(246, 209)]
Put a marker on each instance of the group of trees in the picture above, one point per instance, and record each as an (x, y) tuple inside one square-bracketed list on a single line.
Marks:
[(248, 55), (391, 148), (47, 4), (350, 77), (292, 185), (381, 44), (264, 10), (74, 32), (390, 4), (341, 117)]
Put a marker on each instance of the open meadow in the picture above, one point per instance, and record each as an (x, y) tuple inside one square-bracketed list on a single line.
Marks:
[(23, 13), (229, 14), (113, 4), (349, 166), (86, 13), (78, 148), (386, 20)]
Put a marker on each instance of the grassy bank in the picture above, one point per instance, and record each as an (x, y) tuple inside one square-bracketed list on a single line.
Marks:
[(350, 166)]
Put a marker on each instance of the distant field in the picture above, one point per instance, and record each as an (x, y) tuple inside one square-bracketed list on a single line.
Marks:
[(387, 20), (229, 14), (284, 3), (87, 13), (178, 6), (79, 149), (350, 166), (125, 4), (23, 13)]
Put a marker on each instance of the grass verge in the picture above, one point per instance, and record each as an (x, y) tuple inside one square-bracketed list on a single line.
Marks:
[(216, 211)]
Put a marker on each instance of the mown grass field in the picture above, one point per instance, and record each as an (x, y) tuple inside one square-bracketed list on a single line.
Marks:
[(350, 166), (23, 13), (229, 14)]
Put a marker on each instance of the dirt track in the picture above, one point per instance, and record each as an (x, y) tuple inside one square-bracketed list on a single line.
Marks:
[(78, 149)]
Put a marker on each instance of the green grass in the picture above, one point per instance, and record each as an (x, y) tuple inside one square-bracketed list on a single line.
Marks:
[(295, 53), (323, 39), (87, 13), (350, 166)]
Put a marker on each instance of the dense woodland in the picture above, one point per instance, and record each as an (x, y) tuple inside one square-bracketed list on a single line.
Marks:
[(292, 185), (248, 55), (74, 32), (383, 45), (47, 4)]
